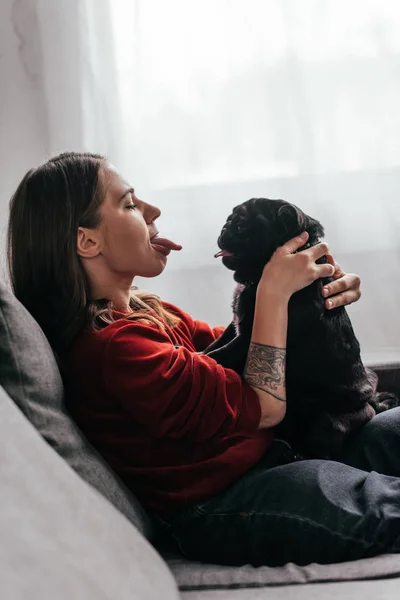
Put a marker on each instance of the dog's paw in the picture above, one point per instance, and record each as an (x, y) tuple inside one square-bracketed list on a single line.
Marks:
[(385, 401)]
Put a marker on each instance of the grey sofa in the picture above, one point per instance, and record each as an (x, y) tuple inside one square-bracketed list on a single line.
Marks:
[(69, 529)]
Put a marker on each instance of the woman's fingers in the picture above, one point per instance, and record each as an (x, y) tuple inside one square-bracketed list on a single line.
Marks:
[(295, 243), (336, 287), (317, 251), (332, 262), (344, 290), (325, 270)]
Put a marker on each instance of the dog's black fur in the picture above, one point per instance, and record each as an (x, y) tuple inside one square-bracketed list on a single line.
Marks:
[(329, 391)]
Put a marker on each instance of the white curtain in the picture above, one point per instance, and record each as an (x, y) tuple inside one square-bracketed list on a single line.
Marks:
[(204, 104)]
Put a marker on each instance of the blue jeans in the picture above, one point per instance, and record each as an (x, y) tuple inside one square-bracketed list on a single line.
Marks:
[(284, 510)]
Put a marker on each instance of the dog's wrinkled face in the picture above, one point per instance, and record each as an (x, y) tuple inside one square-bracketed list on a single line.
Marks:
[(255, 229)]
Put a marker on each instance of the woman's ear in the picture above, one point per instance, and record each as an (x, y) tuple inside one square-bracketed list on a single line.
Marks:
[(88, 243)]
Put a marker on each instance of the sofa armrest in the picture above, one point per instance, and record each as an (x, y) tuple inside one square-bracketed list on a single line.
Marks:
[(389, 377)]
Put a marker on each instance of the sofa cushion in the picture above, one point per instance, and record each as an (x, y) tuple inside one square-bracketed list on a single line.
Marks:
[(29, 374), (350, 590), (192, 575), (60, 538)]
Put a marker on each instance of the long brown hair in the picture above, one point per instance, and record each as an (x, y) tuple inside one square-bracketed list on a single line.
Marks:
[(46, 272)]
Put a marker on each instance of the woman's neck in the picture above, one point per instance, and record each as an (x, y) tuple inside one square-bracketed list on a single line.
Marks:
[(105, 283)]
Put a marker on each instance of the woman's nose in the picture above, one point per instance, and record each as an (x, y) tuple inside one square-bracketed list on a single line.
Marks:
[(152, 212)]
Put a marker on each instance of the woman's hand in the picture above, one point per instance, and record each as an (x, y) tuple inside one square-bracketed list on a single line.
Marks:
[(289, 271), (346, 286)]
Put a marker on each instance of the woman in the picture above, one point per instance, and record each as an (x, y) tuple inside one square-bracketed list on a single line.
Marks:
[(194, 441)]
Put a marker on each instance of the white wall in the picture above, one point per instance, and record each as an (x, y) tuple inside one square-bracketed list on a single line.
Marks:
[(22, 124), (358, 209), (360, 214)]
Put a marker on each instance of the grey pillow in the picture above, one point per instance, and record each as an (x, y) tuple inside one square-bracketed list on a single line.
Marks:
[(60, 539), (30, 375)]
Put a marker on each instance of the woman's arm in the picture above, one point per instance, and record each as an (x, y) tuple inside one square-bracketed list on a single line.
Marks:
[(171, 391), (266, 359), (286, 273)]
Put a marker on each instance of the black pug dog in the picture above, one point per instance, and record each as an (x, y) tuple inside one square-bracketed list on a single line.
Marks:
[(330, 394)]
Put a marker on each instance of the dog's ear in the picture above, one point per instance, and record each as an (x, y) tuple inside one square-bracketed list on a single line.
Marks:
[(292, 221)]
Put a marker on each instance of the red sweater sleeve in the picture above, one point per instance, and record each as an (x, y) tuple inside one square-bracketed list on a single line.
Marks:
[(174, 392), (201, 333), (204, 335)]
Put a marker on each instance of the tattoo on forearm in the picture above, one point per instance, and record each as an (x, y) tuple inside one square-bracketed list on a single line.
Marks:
[(265, 368)]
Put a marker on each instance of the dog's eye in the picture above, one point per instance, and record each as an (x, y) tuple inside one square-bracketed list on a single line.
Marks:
[(238, 228)]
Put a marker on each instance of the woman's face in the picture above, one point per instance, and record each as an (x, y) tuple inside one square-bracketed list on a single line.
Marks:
[(123, 239)]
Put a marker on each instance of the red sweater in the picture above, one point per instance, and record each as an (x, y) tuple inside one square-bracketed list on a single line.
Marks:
[(175, 425)]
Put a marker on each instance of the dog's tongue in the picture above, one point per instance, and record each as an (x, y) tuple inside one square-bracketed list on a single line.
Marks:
[(159, 240), (223, 253)]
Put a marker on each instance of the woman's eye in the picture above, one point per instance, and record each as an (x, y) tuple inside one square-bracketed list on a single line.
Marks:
[(131, 206)]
